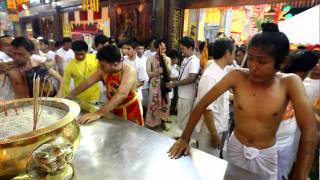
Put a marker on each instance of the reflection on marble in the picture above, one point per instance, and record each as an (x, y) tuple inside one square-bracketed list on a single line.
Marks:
[(115, 149)]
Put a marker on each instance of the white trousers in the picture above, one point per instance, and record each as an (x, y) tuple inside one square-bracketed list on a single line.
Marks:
[(184, 109), (260, 161)]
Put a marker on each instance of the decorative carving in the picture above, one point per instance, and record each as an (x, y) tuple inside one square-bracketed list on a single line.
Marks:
[(51, 158)]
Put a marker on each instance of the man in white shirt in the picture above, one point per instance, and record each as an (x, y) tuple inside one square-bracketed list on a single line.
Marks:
[(64, 54), (214, 121), (6, 92), (137, 63), (145, 87), (44, 50), (152, 51), (187, 81)]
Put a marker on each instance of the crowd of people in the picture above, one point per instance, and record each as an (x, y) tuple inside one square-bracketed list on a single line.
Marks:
[(256, 106)]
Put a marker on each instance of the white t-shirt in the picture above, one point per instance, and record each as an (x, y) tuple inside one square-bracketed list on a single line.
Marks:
[(6, 92), (190, 65), (141, 68), (4, 57), (232, 66), (50, 55), (144, 62), (38, 58), (220, 107), (65, 55), (148, 53), (312, 87)]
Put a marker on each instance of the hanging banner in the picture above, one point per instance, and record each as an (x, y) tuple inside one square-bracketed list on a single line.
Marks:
[(11, 4), (66, 30)]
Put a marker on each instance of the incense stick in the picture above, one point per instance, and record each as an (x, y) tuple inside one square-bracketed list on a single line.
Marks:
[(4, 107), (36, 89), (15, 108), (43, 103)]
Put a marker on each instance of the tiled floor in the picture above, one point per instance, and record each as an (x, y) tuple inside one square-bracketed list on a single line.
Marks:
[(173, 129)]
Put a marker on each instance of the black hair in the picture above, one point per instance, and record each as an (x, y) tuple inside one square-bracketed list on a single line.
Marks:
[(140, 43), (23, 42), (241, 48), (301, 61), (210, 49), (130, 42), (173, 53), (158, 42), (109, 53), (44, 41), (66, 40), (112, 40), (122, 42), (219, 48), (273, 41), (100, 39), (301, 47), (58, 44), (187, 42), (201, 46), (79, 45)]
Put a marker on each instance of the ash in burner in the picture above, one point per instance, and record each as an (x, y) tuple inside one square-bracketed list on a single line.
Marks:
[(13, 124)]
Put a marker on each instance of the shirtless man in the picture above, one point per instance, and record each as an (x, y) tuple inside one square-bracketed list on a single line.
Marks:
[(120, 79), (261, 95), (21, 50)]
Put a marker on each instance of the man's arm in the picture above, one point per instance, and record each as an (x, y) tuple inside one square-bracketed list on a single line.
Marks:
[(209, 121), (94, 78), (307, 124), (66, 80), (57, 76), (191, 78), (59, 64), (229, 81), (128, 81), (150, 71)]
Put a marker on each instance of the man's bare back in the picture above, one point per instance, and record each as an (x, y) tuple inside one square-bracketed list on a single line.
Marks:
[(258, 109)]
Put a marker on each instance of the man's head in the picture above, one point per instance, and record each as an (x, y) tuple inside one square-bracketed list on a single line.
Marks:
[(80, 49), (240, 52), (140, 49), (315, 72), (66, 43), (110, 58), (267, 51), (186, 46), (121, 44), (5, 42), (222, 50), (44, 45), (152, 45), (160, 46), (129, 47), (301, 63), (100, 41), (36, 44), (174, 56), (21, 49), (57, 45)]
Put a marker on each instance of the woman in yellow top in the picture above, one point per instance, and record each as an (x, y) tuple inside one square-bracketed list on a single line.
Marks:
[(79, 69)]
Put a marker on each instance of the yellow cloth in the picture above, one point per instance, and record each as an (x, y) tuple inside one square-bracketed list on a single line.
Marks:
[(79, 71)]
